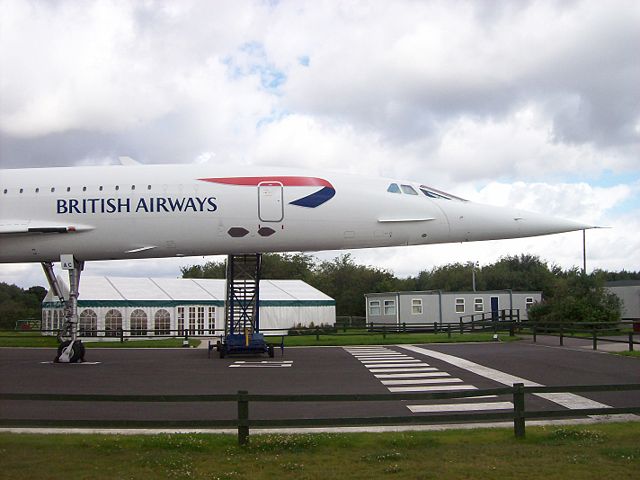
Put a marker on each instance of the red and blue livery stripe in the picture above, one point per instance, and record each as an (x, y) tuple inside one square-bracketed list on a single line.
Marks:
[(326, 193)]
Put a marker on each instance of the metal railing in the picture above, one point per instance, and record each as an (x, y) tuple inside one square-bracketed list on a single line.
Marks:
[(243, 422)]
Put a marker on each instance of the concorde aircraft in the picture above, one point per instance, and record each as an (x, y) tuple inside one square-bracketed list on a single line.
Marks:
[(133, 211)]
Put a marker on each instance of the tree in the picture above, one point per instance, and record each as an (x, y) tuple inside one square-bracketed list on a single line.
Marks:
[(579, 298), (19, 304)]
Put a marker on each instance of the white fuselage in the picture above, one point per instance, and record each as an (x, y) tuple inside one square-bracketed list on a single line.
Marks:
[(151, 211)]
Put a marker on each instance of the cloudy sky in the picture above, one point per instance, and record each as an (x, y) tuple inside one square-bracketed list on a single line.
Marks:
[(534, 104)]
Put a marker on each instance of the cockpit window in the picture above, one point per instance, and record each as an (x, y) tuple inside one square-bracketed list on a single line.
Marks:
[(408, 189), (393, 188), (433, 193)]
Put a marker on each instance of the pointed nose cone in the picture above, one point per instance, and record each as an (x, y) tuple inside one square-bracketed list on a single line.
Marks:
[(473, 221)]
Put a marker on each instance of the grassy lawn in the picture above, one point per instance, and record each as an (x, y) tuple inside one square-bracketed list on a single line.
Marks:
[(34, 339), (635, 353), (586, 452), (391, 338)]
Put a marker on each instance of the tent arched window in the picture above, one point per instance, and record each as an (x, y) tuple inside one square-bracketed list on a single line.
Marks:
[(162, 322), (138, 322), (88, 324), (113, 323)]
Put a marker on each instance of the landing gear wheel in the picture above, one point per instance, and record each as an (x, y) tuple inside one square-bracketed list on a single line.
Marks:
[(270, 351), (75, 355)]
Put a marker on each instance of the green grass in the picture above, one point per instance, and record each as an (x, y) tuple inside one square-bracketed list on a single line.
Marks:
[(549, 453), (34, 339), (635, 353), (391, 338)]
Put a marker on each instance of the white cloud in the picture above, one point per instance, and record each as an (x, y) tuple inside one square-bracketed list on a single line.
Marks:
[(520, 103)]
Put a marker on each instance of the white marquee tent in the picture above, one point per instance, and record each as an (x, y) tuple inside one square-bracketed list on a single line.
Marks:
[(166, 306)]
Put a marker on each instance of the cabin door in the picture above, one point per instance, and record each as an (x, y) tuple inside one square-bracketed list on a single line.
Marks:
[(270, 202), (495, 308)]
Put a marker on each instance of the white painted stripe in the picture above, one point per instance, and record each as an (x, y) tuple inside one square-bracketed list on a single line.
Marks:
[(69, 363), (395, 355), (415, 368), (413, 375), (460, 407), (567, 400), (434, 388), (399, 360), (421, 381), (382, 365), (384, 357)]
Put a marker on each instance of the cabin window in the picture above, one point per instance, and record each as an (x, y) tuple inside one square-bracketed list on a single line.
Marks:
[(133, 187), (389, 307), (148, 187), (408, 189), (459, 305), (478, 305), (117, 187), (374, 307), (53, 189), (68, 189), (393, 188), (37, 190), (84, 189), (100, 187), (21, 190), (416, 306), (5, 191), (528, 303)]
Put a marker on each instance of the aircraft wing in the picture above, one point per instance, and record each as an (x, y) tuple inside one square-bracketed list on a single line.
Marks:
[(28, 227)]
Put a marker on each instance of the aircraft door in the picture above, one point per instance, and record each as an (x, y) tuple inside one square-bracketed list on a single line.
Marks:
[(270, 202)]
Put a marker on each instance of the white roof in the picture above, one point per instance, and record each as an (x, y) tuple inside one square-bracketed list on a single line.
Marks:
[(186, 289)]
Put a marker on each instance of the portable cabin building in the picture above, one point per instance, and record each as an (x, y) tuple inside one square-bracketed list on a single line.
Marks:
[(422, 307), (628, 291)]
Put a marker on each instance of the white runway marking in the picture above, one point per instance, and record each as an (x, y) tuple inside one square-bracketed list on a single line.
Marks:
[(77, 363), (439, 388), (412, 375), (384, 365), (461, 407), (262, 364), (415, 368), (567, 400), (421, 381)]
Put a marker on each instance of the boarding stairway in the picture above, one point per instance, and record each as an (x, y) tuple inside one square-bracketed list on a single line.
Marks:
[(242, 314)]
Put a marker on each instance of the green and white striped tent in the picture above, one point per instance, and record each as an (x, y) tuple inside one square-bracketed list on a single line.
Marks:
[(168, 306)]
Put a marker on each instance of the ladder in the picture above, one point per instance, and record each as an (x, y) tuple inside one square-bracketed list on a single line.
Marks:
[(242, 314)]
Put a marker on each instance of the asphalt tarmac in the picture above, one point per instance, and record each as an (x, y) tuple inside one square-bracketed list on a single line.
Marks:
[(313, 370)]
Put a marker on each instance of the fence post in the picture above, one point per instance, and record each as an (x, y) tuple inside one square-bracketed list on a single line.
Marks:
[(595, 339), (185, 342), (243, 417), (512, 332), (631, 341), (317, 333), (435, 327), (462, 328), (448, 330), (561, 336), (518, 410), (534, 334), (121, 332), (384, 331), (404, 327)]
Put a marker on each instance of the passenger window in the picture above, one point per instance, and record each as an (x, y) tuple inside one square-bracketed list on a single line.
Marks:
[(393, 188), (409, 190)]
